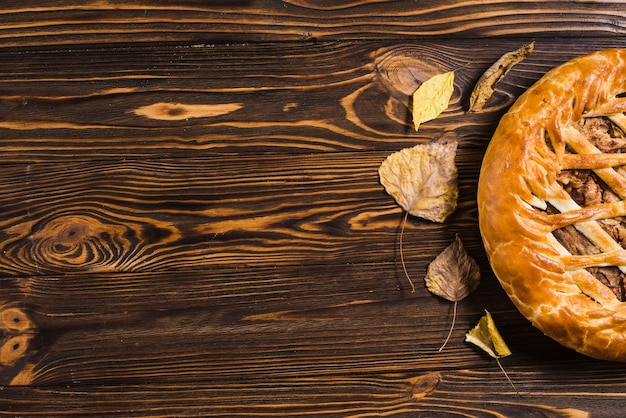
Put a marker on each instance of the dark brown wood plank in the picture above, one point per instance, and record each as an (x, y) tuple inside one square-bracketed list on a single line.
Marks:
[(278, 341), (192, 214), (54, 22), (225, 324), (295, 98), (464, 393), (357, 396), (191, 221)]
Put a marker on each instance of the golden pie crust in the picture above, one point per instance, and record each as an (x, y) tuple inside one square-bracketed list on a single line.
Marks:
[(525, 206)]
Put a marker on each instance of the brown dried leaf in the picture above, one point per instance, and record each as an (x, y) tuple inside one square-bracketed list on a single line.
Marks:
[(432, 97), (453, 274), (423, 179), (487, 82)]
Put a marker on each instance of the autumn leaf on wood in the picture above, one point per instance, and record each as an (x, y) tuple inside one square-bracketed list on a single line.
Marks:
[(432, 97), (423, 179), (486, 336), (453, 275), (487, 82)]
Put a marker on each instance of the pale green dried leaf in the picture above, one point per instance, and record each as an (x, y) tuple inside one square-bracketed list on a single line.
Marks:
[(423, 179)]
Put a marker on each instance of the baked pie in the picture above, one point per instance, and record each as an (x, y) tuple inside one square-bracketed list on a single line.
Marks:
[(552, 204)]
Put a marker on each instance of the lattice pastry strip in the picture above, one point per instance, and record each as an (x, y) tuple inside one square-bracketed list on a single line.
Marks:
[(585, 281), (612, 178), (613, 253)]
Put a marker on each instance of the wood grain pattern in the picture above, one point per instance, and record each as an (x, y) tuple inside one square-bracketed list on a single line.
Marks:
[(188, 214), (294, 98), (355, 397), (249, 341), (191, 221), (54, 22), (225, 324)]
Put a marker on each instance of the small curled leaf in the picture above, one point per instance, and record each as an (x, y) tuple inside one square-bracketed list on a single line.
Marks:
[(487, 82), (486, 336)]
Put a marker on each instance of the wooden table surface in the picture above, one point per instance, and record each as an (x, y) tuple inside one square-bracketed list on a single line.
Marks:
[(192, 224)]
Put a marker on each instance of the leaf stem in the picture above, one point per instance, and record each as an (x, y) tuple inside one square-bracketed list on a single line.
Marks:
[(507, 376), (451, 326), (406, 273)]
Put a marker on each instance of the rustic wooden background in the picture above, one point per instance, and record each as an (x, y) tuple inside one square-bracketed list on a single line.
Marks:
[(191, 222)]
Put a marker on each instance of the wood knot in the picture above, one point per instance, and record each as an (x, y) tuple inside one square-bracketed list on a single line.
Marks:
[(73, 233), (14, 348), (185, 111), (77, 241), (400, 70), (17, 330), (424, 385), (15, 320), (94, 239), (328, 6)]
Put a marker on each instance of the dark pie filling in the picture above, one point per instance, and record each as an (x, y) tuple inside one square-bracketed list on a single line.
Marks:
[(585, 188)]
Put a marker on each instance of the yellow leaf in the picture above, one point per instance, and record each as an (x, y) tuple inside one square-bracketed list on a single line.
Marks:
[(432, 97), (486, 336), (423, 179)]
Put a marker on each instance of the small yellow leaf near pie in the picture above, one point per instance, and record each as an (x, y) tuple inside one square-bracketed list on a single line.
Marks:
[(486, 336), (432, 97), (423, 179)]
